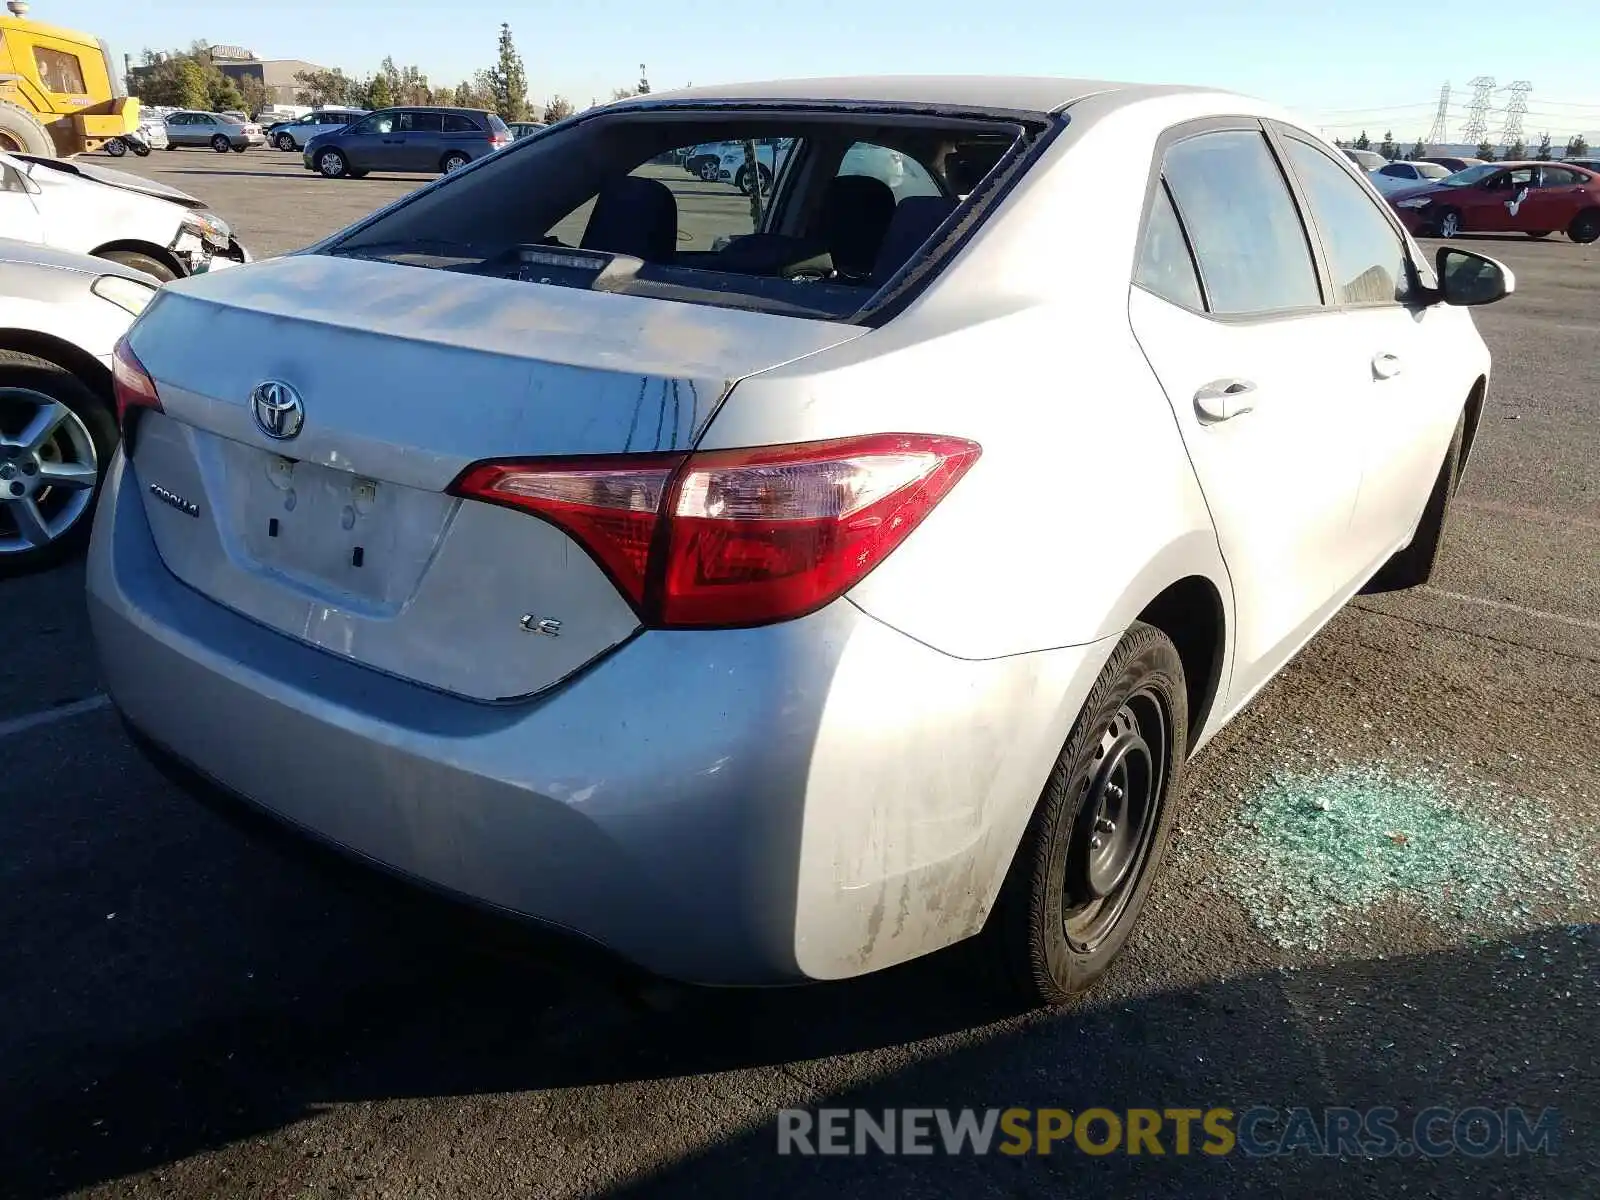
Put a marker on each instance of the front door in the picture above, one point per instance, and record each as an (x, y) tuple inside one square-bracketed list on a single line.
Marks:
[(1498, 205), (421, 142), (1261, 379), (365, 144)]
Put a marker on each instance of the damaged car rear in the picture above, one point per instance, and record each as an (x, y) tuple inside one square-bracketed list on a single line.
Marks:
[(718, 576)]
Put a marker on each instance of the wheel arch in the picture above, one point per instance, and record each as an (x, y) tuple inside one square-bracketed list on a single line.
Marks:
[(160, 253), (95, 374), (1191, 612), (1474, 415)]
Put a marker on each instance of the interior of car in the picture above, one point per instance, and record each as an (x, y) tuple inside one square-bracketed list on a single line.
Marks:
[(844, 202)]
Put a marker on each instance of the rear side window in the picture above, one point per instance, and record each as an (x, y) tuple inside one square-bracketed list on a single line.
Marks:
[(420, 122), (1165, 266), (1366, 257), (1252, 248), (496, 125), (456, 123), (59, 71), (1556, 177)]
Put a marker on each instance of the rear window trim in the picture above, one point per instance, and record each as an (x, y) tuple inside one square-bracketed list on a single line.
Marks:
[(1036, 131)]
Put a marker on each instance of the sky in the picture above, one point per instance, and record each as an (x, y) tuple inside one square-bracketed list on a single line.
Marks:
[(1358, 64)]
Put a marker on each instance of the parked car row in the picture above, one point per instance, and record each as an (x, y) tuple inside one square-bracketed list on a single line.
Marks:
[(740, 597)]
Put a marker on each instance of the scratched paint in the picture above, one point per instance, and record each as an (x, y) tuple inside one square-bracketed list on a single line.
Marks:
[(1319, 851)]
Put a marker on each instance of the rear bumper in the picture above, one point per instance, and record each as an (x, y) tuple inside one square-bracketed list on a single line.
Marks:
[(809, 800)]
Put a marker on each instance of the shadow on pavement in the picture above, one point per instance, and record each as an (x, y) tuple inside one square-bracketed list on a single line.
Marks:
[(171, 988)]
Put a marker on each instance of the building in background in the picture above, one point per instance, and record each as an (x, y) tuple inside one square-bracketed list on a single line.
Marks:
[(276, 75)]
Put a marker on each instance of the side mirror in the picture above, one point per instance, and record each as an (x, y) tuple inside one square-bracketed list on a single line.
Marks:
[(1468, 278)]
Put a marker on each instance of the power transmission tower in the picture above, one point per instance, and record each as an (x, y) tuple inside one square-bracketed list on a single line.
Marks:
[(1477, 126), (1515, 108), (1438, 134)]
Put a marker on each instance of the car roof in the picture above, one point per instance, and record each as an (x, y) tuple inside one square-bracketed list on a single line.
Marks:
[(438, 108), (1043, 94)]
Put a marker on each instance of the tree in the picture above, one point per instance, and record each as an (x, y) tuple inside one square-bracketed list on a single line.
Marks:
[(1577, 146), (1387, 148), (193, 91), (622, 93), (1544, 148), (328, 87), (254, 93), (1485, 151), (557, 108), (644, 82), (1517, 150), (508, 81), (223, 94), (379, 92), (1418, 150), (1363, 142)]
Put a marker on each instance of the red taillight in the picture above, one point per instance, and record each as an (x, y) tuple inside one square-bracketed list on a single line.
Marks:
[(737, 537), (131, 383)]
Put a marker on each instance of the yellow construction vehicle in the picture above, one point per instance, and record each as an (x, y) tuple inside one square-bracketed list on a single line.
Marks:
[(60, 94)]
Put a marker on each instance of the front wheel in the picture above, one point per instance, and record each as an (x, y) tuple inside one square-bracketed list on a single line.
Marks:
[(1585, 226), (743, 181), (1083, 871), (1539, 233), (285, 142), (331, 164), (116, 147), (56, 438), (138, 261), (454, 161), (142, 151), (220, 144), (1448, 224)]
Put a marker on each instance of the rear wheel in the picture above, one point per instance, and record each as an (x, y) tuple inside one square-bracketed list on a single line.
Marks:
[(142, 151), (220, 144), (1448, 223), (116, 147), (240, 149), (1413, 566), (56, 438), (1540, 233), (453, 161), (21, 133), (1084, 869), (139, 261), (331, 164), (1585, 226)]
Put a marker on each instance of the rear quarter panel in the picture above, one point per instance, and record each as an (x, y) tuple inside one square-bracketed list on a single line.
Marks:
[(1083, 506)]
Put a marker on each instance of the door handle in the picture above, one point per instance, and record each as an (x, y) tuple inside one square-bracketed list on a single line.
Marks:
[(1385, 366), (1225, 399)]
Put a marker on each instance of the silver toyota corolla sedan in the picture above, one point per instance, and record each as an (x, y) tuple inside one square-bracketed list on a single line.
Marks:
[(781, 586)]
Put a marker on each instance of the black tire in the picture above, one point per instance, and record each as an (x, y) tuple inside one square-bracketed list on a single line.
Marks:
[(284, 142), (355, 174), (116, 147), (142, 151), (453, 161), (139, 261), (1540, 233), (240, 149), (221, 144), (1585, 227), (1140, 695), (22, 133), (171, 147), (742, 182), (95, 411), (331, 163), (1444, 217), (1413, 566)]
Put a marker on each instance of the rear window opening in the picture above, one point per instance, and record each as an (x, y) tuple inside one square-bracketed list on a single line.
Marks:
[(809, 213)]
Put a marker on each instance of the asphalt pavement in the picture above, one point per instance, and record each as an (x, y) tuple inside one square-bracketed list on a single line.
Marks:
[(189, 1008)]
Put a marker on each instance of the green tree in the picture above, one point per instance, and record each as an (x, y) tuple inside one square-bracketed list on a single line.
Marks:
[(508, 81), (1544, 148), (1485, 151), (379, 92), (1418, 150), (1577, 146), (254, 93), (224, 94), (1517, 150), (1387, 148), (328, 87), (622, 93), (557, 108), (644, 81), (1363, 142), (193, 89)]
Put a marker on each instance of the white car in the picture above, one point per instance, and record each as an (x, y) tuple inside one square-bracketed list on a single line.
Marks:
[(60, 317), (767, 615), (72, 204), (1399, 176)]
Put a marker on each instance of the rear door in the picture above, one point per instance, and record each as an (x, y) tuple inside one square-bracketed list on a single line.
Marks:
[(1405, 419), (462, 133), (1258, 372), (1557, 196)]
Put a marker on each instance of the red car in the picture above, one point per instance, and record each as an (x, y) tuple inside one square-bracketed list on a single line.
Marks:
[(1535, 198)]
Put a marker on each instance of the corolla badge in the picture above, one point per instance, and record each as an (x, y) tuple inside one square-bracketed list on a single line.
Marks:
[(278, 410)]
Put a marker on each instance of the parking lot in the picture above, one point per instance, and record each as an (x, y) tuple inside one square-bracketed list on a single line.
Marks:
[(188, 1008)]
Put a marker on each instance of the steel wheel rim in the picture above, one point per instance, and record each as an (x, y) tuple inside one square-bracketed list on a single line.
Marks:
[(116, 148), (454, 163), (48, 470), (1119, 809), (1449, 225)]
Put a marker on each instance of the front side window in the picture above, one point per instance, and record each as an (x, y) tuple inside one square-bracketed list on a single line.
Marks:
[(379, 123), (1247, 235), (1165, 266), (59, 71), (1366, 257)]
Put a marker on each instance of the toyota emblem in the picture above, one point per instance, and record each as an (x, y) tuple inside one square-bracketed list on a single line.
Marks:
[(278, 410)]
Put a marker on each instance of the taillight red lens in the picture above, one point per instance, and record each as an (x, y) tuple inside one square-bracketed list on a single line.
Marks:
[(736, 537), (610, 505), (131, 383)]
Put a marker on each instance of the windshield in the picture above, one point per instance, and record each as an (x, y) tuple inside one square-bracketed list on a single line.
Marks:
[(1468, 176), (808, 213)]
